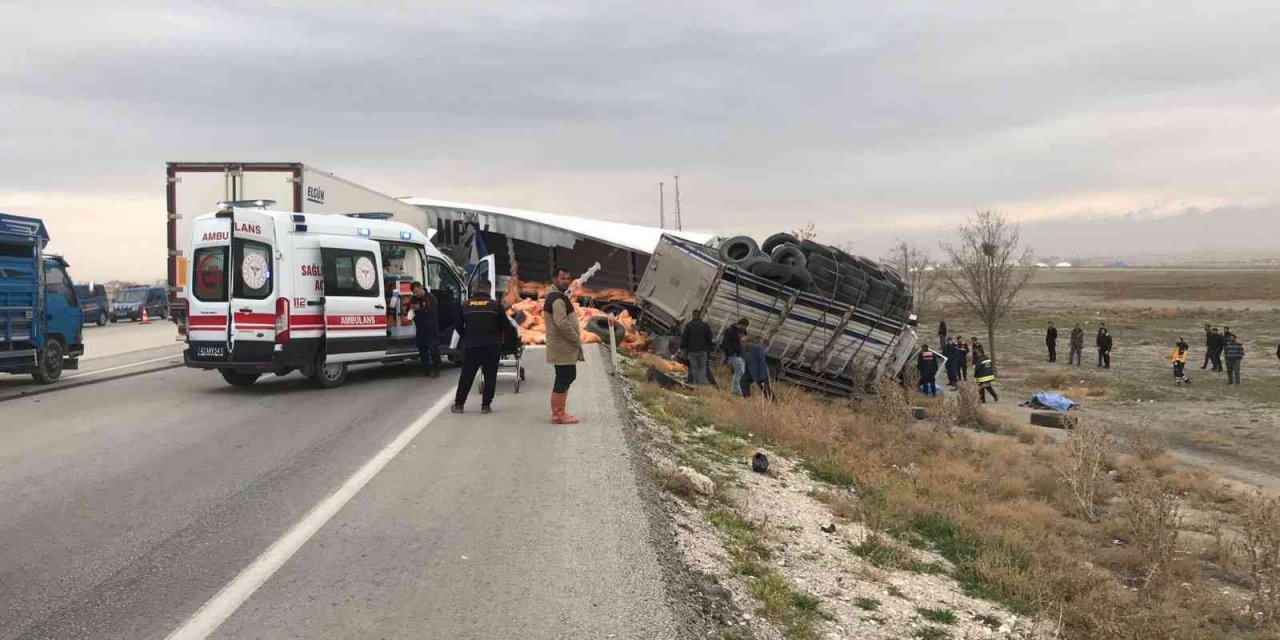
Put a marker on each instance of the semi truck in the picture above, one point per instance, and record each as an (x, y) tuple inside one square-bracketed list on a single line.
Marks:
[(196, 188), (814, 341), (40, 316)]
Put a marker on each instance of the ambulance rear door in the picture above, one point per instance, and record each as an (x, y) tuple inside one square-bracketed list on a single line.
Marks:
[(355, 311), (207, 289), (253, 287), (485, 269)]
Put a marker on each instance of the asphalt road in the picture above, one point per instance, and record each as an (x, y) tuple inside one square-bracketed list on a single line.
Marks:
[(128, 505)]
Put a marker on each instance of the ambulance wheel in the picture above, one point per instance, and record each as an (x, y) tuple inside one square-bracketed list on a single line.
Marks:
[(50, 367), (238, 378), (102, 319), (328, 376)]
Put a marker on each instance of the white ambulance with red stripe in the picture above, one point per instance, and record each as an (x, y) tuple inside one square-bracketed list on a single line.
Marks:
[(277, 292)]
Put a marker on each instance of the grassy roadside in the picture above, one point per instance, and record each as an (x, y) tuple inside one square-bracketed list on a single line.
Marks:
[(1104, 545)]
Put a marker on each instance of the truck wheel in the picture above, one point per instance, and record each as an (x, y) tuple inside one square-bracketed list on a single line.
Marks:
[(49, 368), (102, 318), (113, 319), (328, 376), (237, 378), (738, 248), (788, 254)]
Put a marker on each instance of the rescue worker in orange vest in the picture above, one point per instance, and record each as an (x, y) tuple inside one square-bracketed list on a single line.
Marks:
[(1179, 360), (564, 343)]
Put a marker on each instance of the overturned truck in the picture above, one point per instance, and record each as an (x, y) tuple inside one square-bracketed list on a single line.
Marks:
[(827, 320)]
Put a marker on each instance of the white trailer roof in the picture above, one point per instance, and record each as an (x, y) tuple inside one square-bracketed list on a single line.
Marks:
[(561, 230)]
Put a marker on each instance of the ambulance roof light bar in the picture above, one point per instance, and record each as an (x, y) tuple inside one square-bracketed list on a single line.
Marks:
[(370, 215), (246, 204)]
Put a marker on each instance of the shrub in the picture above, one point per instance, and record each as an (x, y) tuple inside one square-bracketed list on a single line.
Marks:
[(1260, 545), (1088, 447)]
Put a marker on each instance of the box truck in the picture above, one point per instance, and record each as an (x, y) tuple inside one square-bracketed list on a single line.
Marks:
[(196, 188)]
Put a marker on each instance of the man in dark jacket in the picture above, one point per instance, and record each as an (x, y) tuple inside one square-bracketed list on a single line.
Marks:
[(1051, 341), (984, 373), (927, 366), (950, 353), (483, 327), (426, 328), (1208, 345), (731, 345), (1217, 342), (1234, 351), (1104, 344), (697, 342), (757, 369), (1077, 346), (962, 358)]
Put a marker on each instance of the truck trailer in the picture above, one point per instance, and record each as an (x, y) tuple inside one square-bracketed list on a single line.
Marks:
[(196, 188), (810, 340)]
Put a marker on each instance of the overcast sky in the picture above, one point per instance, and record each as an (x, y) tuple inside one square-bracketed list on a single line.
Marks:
[(872, 122)]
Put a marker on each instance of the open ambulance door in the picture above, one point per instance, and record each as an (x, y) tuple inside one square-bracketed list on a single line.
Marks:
[(355, 311), (486, 269)]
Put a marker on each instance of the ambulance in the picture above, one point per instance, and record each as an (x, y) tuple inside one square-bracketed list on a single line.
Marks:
[(272, 292)]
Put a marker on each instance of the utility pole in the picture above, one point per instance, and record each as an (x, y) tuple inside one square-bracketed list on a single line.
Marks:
[(679, 225), (662, 207)]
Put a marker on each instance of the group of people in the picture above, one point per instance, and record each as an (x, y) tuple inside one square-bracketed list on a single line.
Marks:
[(485, 329), (955, 357), (742, 352), (1102, 341), (1219, 347)]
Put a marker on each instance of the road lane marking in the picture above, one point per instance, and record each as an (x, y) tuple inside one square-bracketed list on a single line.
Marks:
[(123, 366), (221, 606)]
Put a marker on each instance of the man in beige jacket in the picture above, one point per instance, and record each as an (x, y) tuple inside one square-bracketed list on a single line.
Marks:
[(564, 343)]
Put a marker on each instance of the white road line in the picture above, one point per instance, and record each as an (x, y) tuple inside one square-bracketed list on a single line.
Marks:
[(123, 366), (221, 606)]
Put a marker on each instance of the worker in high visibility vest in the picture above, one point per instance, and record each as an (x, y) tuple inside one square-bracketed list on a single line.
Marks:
[(984, 373)]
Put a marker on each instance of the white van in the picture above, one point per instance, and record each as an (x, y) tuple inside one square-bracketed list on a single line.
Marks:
[(310, 292)]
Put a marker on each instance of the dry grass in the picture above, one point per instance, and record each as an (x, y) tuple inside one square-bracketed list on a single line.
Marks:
[(1260, 546), (1003, 510)]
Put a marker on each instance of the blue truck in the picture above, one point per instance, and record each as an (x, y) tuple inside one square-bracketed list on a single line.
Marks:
[(40, 316)]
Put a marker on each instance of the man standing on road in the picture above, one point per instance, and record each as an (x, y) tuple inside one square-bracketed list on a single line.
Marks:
[(962, 358), (564, 343), (731, 344), (1234, 351), (1077, 346), (1208, 345), (426, 328), (697, 341), (949, 353), (482, 327), (1051, 341), (1104, 343)]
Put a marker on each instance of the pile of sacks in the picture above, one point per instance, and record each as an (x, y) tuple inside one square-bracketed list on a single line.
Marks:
[(593, 324)]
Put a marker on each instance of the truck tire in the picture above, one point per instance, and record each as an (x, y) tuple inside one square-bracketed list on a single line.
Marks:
[(49, 366), (738, 248), (801, 279), (779, 273), (328, 376), (809, 247), (777, 240), (789, 255), (102, 318), (1050, 419), (238, 378), (599, 325)]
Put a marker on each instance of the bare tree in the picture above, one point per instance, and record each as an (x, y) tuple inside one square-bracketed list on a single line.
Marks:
[(807, 232), (987, 269), (912, 263)]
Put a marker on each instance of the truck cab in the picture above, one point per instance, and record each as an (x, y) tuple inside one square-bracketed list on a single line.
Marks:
[(40, 316)]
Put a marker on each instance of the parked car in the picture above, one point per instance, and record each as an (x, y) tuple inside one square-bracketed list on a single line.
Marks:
[(94, 303), (130, 302)]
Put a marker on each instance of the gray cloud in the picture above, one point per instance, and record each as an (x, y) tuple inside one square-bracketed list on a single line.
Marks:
[(853, 117)]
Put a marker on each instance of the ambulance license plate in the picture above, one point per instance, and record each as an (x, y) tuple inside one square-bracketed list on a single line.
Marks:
[(211, 352)]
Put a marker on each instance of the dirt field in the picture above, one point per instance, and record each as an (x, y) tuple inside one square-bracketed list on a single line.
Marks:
[(1232, 430)]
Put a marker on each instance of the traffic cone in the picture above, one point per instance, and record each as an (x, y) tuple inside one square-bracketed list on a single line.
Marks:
[(145, 319)]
